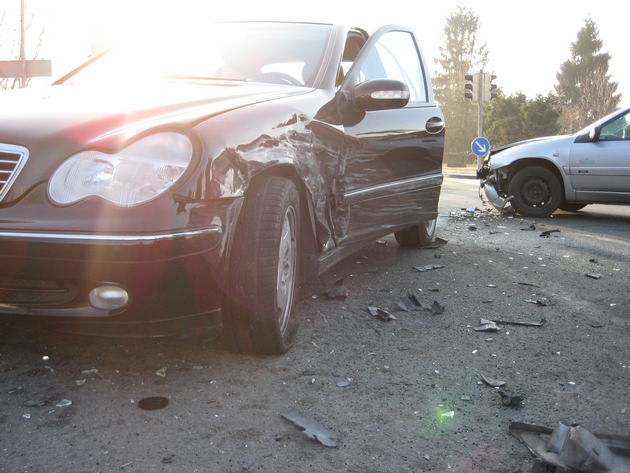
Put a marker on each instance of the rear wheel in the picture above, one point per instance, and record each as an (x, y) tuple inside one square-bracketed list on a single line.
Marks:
[(536, 191), (419, 235), (263, 270)]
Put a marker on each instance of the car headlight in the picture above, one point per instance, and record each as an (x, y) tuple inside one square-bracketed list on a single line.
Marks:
[(134, 175)]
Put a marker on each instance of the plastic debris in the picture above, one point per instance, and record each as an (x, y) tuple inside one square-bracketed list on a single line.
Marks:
[(412, 303), (168, 459), (64, 403), (538, 302), (495, 383), (575, 449), (161, 372), (437, 243), (35, 403), (510, 401), (338, 291), (521, 283), (153, 403), (427, 267), (547, 233), (381, 313), (312, 429), (593, 276), (525, 324), (487, 326), (344, 384)]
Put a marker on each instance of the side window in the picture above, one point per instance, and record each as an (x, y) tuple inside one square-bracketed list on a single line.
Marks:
[(617, 130), (395, 56)]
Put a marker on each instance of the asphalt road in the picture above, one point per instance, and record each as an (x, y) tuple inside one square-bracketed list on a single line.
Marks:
[(398, 395), (607, 226)]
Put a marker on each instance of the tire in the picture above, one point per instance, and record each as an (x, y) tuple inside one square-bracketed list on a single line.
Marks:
[(536, 191), (571, 207), (417, 236), (263, 270)]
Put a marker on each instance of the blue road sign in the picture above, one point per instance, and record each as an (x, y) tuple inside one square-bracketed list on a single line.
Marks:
[(480, 146)]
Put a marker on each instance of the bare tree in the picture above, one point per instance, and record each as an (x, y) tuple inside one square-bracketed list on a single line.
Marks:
[(10, 45)]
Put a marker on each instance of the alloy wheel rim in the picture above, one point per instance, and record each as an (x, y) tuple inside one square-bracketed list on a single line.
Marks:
[(286, 269)]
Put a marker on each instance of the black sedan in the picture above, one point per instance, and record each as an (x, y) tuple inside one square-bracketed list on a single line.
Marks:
[(168, 189)]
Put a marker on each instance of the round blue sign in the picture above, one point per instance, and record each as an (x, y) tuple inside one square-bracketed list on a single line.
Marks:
[(480, 146)]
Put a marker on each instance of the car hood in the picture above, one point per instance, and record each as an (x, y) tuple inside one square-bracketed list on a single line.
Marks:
[(71, 117), (546, 147)]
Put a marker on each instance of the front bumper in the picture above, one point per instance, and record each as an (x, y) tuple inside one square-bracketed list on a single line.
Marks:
[(489, 195), (173, 281)]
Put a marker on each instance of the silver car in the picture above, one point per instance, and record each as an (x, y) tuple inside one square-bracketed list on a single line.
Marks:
[(538, 176)]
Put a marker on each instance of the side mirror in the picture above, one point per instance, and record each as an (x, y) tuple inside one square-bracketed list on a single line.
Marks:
[(380, 94), (593, 133)]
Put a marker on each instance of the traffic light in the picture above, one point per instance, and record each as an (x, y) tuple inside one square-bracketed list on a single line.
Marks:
[(472, 87), (489, 89)]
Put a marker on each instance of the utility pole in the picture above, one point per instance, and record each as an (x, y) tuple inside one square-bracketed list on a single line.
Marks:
[(22, 44), (479, 89)]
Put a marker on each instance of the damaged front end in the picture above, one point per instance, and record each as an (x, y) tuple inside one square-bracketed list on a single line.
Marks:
[(493, 185)]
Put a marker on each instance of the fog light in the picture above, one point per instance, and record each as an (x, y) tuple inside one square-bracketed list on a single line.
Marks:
[(108, 297)]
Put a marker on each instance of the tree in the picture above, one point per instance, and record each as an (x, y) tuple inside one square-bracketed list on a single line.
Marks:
[(459, 56), (515, 118), (10, 43), (584, 88)]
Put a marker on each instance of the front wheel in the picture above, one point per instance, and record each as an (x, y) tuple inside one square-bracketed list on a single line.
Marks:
[(419, 235), (263, 270), (536, 191)]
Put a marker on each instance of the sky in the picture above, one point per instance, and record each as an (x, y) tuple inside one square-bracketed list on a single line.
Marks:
[(527, 41)]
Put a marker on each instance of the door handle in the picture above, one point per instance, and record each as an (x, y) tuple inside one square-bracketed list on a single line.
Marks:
[(434, 125)]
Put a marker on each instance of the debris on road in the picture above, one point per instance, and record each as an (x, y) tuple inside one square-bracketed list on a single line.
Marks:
[(437, 243), (538, 302), (575, 449), (547, 233), (510, 401), (495, 383), (344, 383), (338, 291), (525, 324), (412, 303), (427, 267), (487, 326), (311, 428), (593, 276), (381, 313), (521, 283)]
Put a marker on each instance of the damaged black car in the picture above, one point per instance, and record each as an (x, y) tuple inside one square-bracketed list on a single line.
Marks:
[(170, 189)]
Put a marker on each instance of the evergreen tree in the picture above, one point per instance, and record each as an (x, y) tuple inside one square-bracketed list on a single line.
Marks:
[(515, 118), (459, 56), (584, 88)]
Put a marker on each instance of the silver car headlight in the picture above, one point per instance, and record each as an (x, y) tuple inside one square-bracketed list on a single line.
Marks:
[(133, 176)]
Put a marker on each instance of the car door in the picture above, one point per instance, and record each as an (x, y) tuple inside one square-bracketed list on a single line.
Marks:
[(600, 166), (391, 169)]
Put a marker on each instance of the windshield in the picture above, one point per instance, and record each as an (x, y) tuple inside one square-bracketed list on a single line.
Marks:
[(285, 53)]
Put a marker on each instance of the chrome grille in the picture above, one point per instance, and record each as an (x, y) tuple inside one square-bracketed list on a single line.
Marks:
[(12, 160)]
